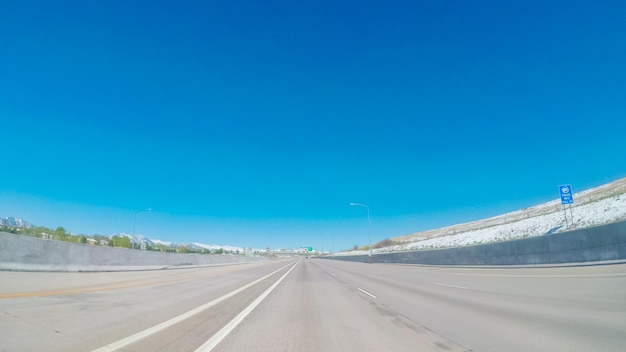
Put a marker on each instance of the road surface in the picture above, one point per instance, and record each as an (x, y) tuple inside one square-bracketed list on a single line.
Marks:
[(298, 304)]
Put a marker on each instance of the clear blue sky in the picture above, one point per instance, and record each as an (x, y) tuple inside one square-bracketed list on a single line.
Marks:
[(256, 123)]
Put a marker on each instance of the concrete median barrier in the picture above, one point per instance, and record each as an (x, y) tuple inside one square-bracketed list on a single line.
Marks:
[(24, 253), (600, 243)]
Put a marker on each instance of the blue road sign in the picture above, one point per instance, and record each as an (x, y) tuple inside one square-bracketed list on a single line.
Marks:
[(567, 196)]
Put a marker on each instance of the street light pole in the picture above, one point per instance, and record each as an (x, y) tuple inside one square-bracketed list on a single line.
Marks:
[(135, 225), (369, 222)]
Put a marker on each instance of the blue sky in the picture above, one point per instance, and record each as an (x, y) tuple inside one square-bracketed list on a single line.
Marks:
[(256, 123)]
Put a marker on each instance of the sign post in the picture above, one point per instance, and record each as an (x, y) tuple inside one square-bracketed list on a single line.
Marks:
[(567, 197)]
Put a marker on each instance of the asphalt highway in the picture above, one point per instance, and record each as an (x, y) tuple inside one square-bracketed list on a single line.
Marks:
[(299, 304)]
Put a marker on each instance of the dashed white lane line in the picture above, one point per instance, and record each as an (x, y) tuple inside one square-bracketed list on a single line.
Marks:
[(453, 286), (333, 274), (228, 328), (166, 324), (367, 293)]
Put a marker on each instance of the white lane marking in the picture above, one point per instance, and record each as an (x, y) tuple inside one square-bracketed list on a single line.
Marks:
[(333, 274), (166, 324), (367, 293), (453, 286), (228, 328)]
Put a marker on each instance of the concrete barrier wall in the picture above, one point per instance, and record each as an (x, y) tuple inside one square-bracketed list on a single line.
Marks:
[(30, 253), (601, 243)]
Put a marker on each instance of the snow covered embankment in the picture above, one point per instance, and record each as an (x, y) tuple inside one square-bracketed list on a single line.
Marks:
[(600, 212)]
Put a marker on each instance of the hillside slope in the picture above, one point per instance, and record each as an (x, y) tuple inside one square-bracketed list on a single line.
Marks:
[(596, 206)]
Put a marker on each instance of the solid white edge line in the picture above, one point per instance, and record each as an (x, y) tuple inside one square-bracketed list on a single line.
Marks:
[(166, 324), (228, 328), (367, 293), (453, 286)]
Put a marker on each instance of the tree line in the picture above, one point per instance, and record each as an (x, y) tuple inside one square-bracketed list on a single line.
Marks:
[(60, 234)]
